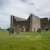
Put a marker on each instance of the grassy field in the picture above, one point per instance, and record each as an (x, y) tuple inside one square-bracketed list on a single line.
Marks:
[(25, 41)]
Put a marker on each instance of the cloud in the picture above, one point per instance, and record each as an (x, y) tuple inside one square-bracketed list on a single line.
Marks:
[(43, 6), (22, 8)]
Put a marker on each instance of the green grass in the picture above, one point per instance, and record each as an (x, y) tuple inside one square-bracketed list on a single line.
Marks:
[(25, 41)]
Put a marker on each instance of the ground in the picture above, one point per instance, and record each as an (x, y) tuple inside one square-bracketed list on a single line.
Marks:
[(25, 41)]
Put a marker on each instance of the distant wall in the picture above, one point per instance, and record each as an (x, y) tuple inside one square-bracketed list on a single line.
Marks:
[(44, 23)]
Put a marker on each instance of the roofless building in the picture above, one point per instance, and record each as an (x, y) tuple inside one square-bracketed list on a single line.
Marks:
[(32, 23), (25, 25)]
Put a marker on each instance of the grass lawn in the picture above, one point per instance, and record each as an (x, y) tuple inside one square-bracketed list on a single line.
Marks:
[(25, 41)]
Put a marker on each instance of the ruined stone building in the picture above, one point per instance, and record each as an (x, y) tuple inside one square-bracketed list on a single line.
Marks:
[(25, 25), (32, 23), (44, 23)]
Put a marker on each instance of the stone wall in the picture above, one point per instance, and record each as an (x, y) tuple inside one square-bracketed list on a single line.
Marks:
[(44, 23), (35, 23)]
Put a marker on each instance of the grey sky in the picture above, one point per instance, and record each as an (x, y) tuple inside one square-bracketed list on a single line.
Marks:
[(22, 8)]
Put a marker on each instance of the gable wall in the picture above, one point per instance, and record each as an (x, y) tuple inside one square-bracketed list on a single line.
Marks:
[(35, 23)]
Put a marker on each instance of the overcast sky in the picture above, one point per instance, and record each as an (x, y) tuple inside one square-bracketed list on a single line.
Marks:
[(22, 8)]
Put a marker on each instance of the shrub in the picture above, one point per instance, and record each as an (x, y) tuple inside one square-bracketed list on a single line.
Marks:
[(39, 30)]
